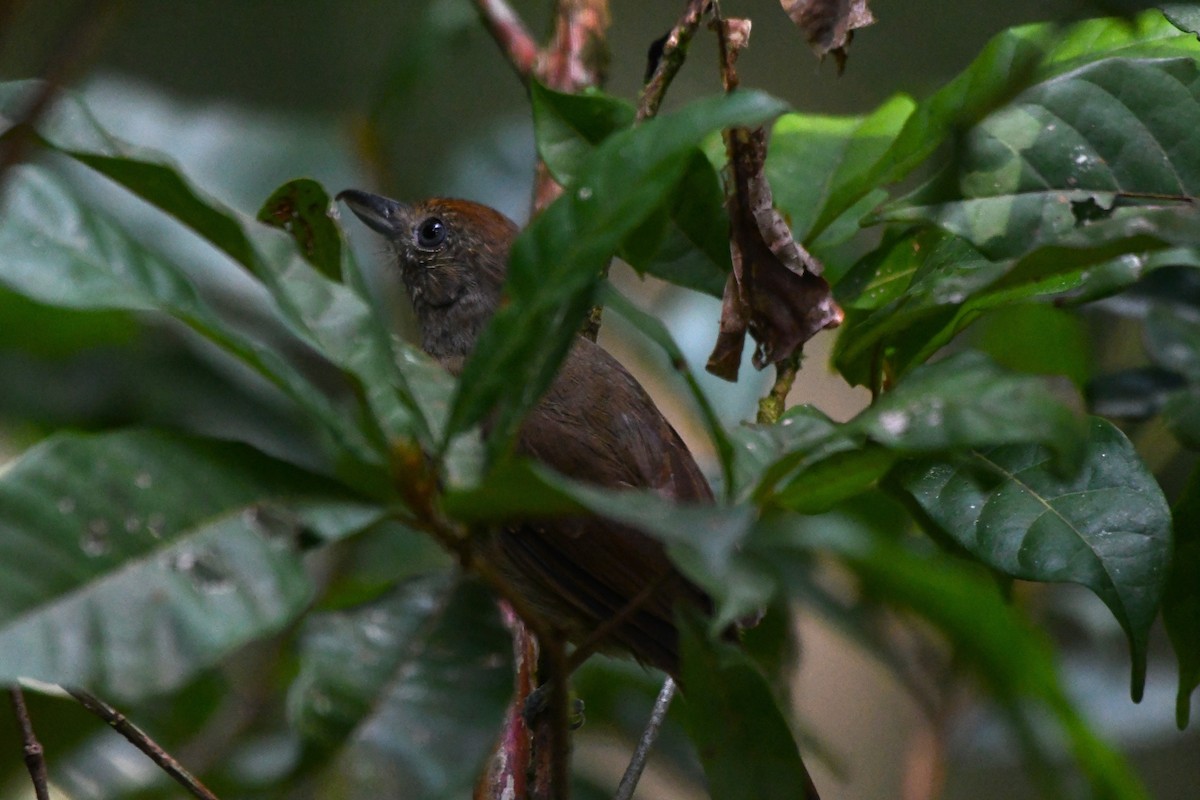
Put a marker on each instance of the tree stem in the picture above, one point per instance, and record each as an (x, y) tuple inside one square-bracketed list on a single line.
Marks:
[(35, 756), (771, 407), (142, 741), (511, 35), (674, 53)]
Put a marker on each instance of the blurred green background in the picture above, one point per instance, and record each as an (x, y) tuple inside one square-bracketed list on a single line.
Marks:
[(412, 99)]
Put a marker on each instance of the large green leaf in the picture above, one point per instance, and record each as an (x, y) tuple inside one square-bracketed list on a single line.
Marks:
[(556, 263), (56, 251), (686, 241), (130, 561), (1096, 143), (407, 692), (1149, 33), (61, 333), (967, 400), (960, 402), (1009, 63), (765, 454), (333, 319), (818, 167), (1003, 66), (567, 127), (1181, 602), (1107, 527), (734, 721), (897, 297), (909, 298), (1016, 337), (1012, 660)]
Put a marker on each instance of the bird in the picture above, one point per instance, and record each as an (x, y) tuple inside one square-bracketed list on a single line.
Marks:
[(586, 576)]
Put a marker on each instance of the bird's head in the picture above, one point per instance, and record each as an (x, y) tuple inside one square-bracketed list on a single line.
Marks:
[(452, 256)]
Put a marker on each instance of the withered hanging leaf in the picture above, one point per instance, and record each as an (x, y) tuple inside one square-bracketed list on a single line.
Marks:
[(829, 24), (775, 291)]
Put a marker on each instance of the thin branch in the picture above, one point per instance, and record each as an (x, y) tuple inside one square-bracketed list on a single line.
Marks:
[(35, 756), (551, 742), (139, 739), (771, 407), (511, 35), (674, 53), (73, 49), (508, 768), (551, 730), (731, 38), (637, 765), (577, 58)]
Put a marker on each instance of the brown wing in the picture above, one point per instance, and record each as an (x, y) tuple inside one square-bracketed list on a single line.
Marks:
[(636, 446), (597, 424)]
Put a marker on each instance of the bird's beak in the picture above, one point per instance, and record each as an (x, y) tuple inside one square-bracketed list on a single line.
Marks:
[(380, 213)]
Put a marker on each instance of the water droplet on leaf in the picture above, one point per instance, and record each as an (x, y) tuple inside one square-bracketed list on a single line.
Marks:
[(95, 540), (203, 568)]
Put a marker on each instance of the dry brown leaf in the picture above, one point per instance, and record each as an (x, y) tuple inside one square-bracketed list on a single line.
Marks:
[(775, 292), (829, 24)]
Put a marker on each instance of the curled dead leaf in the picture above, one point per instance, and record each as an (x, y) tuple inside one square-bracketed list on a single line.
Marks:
[(775, 292), (829, 25)]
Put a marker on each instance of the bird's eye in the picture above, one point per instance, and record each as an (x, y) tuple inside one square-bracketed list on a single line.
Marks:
[(431, 233)]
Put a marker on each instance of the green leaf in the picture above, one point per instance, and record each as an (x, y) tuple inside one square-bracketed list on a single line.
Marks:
[(1107, 527), (734, 721), (827, 483), (1092, 144), (1181, 600), (1014, 662), (764, 454), (686, 242), (1016, 338), (908, 292), (556, 263), (912, 296), (1149, 33), (1011, 61), (61, 333), (1184, 16), (130, 561), (54, 250), (786, 463), (567, 127), (819, 166), (407, 692), (331, 318), (301, 207), (960, 402), (966, 400), (1004, 65), (512, 490)]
